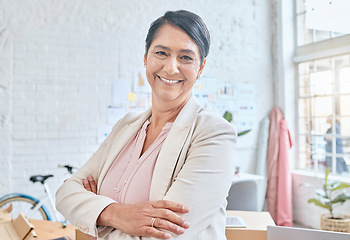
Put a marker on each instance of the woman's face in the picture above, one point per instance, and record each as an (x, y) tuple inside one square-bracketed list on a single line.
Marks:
[(172, 65)]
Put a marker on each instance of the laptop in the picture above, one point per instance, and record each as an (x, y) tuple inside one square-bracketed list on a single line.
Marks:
[(291, 233)]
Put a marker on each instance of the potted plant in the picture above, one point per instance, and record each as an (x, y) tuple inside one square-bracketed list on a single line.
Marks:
[(331, 195)]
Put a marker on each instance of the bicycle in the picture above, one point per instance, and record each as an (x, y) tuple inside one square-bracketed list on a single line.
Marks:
[(32, 207)]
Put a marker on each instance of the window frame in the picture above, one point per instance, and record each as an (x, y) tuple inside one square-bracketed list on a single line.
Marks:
[(329, 48)]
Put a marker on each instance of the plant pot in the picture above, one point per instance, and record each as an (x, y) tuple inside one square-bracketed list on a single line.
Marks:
[(337, 225)]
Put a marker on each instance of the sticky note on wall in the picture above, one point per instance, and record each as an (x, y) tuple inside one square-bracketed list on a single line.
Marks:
[(131, 97)]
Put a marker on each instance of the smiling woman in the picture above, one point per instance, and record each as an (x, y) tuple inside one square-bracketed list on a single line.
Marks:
[(166, 172)]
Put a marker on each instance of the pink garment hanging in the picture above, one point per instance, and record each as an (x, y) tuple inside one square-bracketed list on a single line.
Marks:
[(276, 116), (284, 184)]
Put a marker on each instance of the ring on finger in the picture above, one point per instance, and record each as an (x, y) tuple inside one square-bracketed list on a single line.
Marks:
[(153, 220)]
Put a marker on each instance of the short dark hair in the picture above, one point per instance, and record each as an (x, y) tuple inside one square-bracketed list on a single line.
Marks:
[(187, 21)]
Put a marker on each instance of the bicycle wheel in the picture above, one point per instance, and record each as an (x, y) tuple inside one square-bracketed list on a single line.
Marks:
[(25, 205)]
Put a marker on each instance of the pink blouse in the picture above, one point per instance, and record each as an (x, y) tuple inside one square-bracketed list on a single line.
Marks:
[(128, 180)]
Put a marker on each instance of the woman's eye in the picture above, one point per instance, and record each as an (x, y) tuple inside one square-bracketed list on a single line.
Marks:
[(161, 53), (187, 58)]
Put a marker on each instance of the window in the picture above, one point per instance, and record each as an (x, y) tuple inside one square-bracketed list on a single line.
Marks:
[(323, 66)]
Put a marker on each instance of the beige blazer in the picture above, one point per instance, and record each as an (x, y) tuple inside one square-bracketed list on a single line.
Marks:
[(195, 167)]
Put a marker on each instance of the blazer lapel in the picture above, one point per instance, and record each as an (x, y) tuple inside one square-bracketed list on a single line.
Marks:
[(120, 140), (169, 155)]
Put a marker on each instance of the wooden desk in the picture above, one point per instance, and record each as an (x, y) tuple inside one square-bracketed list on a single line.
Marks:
[(256, 229), (50, 230)]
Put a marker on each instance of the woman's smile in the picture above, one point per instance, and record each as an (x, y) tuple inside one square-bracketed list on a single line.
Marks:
[(169, 81)]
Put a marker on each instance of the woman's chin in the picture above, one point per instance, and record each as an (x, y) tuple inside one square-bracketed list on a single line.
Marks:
[(167, 98)]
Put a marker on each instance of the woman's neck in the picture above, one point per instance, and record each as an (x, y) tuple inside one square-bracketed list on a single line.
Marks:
[(163, 113)]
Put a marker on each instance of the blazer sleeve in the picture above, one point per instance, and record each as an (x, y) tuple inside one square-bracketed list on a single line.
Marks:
[(205, 178), (80, 207)]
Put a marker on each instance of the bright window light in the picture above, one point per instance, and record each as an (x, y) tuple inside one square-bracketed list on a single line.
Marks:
[(326, 15)]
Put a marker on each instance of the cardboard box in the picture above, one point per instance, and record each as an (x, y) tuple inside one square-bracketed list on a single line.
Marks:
[(18, 229), (256, 229), (52, 230), (80, 235), (23, 229), (5, 214)]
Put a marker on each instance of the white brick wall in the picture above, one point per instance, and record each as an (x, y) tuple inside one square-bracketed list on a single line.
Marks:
[(6, 69), (61, 57)]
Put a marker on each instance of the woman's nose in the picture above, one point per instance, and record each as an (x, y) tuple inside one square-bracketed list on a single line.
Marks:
[(171, 66)]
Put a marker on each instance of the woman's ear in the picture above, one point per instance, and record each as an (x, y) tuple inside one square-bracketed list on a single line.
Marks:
[(201, 69)]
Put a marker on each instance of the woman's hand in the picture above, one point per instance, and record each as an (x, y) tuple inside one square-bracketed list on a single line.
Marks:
[(147, 219), (90, 184)]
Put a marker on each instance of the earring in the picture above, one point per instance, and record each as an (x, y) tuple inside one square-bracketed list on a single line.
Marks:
[(145, 65)]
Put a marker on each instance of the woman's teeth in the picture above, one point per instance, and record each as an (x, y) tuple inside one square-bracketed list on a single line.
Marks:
[(169, 81)]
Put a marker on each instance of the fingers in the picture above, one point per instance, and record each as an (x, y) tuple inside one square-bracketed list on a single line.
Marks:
[(167, 217), (173, 206), (167, 225), (90, 184), (87, 185), (168, 210), (167, 220), (93, 184), (153, 232)]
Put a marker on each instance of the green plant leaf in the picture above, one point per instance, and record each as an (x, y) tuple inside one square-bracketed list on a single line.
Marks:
[(321, 193), (318, 203), (324, 200), (244, 132), (328, 170), (341, 198), (341, 186), (333, 184), (228, 116)]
